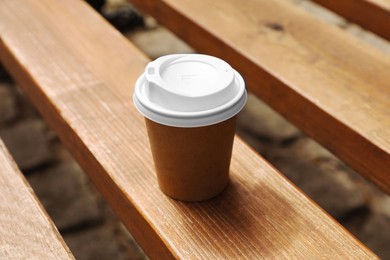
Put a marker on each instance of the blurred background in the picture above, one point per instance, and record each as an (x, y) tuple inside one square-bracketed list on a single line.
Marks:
[(84, 219)]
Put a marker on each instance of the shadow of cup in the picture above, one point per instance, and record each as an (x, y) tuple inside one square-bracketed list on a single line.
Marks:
[(247, 218)]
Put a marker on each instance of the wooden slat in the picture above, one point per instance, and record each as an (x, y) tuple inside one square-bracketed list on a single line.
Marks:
[(80, 74), (373, 15), (26, 231), (334, 87)]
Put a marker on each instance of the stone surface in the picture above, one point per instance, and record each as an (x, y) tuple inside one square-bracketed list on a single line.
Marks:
[(157, 42), (381, 204), (8, 109), (376, 234), (262, 122), (124, 18), (94, 243), (27, 142), (65, 194), (114, 4)]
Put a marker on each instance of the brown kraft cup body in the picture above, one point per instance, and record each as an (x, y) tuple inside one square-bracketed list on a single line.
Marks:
[(190, 103), (192, 164)]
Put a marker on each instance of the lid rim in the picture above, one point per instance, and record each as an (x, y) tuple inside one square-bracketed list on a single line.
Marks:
[(210, 119)]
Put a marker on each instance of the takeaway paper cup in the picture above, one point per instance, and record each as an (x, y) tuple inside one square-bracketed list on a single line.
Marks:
[(190, 103)]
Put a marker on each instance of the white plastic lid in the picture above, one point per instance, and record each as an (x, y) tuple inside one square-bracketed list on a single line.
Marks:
[(189, 90)]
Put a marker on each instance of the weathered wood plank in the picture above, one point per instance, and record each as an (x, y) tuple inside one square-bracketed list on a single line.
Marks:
[(80, 74), (374, 15), (26, 231), (328, 83)]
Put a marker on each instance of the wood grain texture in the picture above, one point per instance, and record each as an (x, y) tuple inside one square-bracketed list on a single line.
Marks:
[(332, 86), (26, 231), (80, 73), (374, 15)]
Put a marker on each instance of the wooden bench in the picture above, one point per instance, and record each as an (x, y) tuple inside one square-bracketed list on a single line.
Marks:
[(26, 230), (80, 72)]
